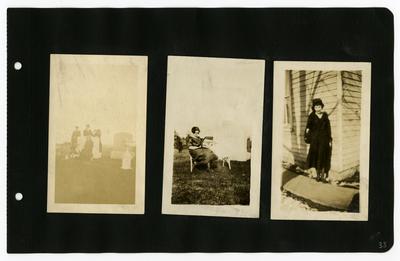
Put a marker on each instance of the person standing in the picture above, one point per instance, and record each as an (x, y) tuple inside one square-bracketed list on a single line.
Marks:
[(88, 147), (96, 150), (318, 130), (74, 142)]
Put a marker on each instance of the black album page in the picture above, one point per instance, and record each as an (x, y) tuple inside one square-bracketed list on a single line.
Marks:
[(200, 130)]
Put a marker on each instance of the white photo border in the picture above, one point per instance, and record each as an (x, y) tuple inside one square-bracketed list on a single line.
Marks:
[(250, 211), (277, 139), (140, 62)]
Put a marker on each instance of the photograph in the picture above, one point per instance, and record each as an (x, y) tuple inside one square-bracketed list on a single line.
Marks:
[(97, 134), (213, 135), (320, 150)]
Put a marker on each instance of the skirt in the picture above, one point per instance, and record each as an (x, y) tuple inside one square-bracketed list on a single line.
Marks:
[(203, 155)]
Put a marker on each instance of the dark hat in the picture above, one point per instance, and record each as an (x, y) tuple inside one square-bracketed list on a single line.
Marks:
[(194, 129), (316, 102)]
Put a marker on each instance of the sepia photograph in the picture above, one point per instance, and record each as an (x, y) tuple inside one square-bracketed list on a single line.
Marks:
[(213, 134), (97, 135), (320, 155)]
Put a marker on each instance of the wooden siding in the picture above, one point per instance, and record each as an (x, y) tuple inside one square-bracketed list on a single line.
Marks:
[(305, 86), (343, 113), (351, 81)]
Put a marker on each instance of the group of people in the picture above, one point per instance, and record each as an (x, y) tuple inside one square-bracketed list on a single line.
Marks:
[(87, 146)]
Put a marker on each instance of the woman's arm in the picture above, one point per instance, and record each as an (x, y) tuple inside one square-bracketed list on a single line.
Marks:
[(309, 124), (194, 142)]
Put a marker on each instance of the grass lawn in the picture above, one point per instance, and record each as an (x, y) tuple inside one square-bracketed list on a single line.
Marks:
[(221, 187), (100, 181)]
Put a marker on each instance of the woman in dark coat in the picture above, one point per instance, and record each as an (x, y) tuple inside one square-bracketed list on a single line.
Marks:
[(318, 130)]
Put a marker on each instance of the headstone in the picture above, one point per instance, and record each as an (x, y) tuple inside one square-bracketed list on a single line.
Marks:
[(126, 160), (121, 141)]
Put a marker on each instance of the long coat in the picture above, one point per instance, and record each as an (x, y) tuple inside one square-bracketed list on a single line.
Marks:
[(319, 154)]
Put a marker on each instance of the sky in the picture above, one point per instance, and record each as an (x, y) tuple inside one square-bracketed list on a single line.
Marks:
[(220, 96), (95, 90)]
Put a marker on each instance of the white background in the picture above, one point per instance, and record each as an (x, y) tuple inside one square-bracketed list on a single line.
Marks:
[(94, 90), (210, 81), (393, 254)]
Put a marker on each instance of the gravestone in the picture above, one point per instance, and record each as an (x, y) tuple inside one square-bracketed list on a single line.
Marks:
[(126, 160), (122, 141)]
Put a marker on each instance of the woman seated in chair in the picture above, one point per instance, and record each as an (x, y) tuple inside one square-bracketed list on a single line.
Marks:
[(200, 154)]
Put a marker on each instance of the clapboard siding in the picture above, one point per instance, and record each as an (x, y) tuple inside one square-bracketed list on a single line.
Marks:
[(344, 115), (355, 75), (305, 86), (310, 74), (352, 94), (351, 81), (322, 80)]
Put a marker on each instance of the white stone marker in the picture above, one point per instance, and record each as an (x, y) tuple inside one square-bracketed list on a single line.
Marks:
[(126, 160)]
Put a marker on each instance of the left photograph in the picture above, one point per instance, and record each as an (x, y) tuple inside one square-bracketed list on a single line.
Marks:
[(97, 134)]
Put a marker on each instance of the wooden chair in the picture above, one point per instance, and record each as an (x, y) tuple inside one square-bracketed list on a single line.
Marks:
[(227, 160)]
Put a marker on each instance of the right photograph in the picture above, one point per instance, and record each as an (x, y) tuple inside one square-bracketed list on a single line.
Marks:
[(320, 155)]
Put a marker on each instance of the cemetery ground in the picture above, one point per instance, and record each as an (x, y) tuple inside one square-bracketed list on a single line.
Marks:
[(219, 187), (100, 181)]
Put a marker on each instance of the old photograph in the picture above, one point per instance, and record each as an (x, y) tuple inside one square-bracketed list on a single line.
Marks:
[(320, 155), (97, 135), (213, 134)]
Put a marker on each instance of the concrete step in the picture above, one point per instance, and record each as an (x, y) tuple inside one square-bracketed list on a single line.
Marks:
[(324, 194)]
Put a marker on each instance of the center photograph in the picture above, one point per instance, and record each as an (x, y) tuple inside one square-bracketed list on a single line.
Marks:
[(213, 136)]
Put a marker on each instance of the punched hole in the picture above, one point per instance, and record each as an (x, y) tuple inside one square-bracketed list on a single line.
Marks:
[(18, 196), (17, 66)]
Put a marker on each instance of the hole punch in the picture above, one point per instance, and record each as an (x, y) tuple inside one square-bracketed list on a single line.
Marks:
[(17, 66), (18, 196)]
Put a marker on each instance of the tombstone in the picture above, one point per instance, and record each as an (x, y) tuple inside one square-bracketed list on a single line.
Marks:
[(126, 160), (121, 141)]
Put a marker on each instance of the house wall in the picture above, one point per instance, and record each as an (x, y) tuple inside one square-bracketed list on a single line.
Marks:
[(302, 87), (351, 120)]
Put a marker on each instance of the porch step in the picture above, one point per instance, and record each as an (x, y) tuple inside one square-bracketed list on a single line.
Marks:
[(324, 194)]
